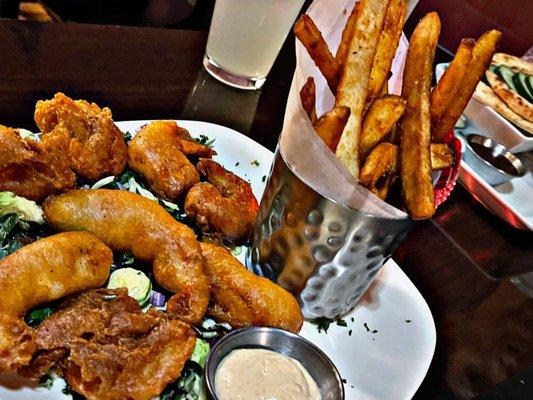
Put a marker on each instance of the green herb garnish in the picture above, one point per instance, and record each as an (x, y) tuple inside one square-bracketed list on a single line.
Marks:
[(322, 323), (38, 315), (341, 322), (204, 140), (46, 381)]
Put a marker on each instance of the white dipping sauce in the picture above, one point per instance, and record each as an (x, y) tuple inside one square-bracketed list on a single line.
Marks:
[(259, 374)]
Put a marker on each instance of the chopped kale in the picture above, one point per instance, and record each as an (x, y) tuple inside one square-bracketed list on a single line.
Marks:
[(38, 315), (122, 259), (46, 381), (322, 323), (204, 140), (341, 322), (7, 224)]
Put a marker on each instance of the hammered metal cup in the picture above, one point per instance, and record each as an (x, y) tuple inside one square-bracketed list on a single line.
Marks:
[(325, 253)]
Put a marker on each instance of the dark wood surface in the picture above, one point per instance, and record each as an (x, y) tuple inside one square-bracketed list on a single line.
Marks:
[(460, 260)]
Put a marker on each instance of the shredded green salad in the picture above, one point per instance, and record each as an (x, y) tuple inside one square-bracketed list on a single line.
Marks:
[(21, 222)]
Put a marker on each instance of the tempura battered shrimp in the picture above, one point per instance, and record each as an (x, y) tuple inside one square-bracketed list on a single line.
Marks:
[(225, 206), (242, 298), (126, 221), (156, 153), (51, 268), (97, 147), (108, 349), (40, 272), (34, 169), (189, 146)]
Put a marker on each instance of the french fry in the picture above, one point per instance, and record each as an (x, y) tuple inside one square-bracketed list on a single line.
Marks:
[(347, 33), (481, 57), (384, 89), (387, 45), (379, 121), (415, 133), (383, 160), (449, 83), (441, 156), (378, 169), (353, 85), (329, 126), (308, 98), (307, 33)]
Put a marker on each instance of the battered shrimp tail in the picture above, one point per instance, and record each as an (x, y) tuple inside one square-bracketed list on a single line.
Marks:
[(242, 298), (225, 206)]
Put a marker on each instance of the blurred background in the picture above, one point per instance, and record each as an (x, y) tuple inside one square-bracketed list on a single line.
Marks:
[(464, 18)]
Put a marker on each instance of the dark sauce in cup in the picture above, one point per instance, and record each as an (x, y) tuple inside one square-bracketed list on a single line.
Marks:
[(499, 161)]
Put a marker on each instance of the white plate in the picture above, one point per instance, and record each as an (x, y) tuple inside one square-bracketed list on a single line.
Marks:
[(492, 124), (510, 201), (389, 363)]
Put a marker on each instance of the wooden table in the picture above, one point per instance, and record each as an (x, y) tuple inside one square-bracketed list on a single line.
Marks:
[(460, 260)]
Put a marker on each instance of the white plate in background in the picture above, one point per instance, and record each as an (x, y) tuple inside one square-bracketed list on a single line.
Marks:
[(511, 201)]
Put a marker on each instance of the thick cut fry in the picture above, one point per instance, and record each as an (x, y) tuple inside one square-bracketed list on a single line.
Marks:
[(347, 33), (379, 121), (307, 33), (441, 155), (449, 83), (417, 188), (354, 79), (387, 45), (330, 126), (481, 57), (378, 168), (308, 99)]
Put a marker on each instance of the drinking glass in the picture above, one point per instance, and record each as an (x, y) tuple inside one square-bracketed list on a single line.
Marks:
[(245, 38)]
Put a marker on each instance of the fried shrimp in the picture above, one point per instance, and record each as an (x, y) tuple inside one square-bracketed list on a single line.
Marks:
[(52, 268), (97, 147), (129, 222), (34, 169), (156, 153), (40, 272), (109, 349), (242, 298), (225, 206)]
